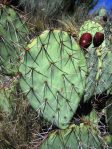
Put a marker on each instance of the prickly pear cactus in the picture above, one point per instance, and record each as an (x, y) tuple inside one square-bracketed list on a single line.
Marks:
[(92, 72), (99, 78), (83, 136), (13, 38), (99, 63), (53, 76), (91, 56), (105, 80)]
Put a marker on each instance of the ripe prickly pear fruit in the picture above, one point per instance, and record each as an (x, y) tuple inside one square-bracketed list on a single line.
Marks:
[(98, 39), (85, 40)]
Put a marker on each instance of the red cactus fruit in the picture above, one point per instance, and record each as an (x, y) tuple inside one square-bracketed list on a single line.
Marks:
[(98, 39), (85, 40)]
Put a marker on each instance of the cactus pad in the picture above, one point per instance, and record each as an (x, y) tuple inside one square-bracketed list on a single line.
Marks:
[(53, 76), (83, 137), (99, 63), (105, 80), (13, 37)]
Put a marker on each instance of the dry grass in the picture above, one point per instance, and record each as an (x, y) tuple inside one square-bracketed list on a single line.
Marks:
[(17, 130)]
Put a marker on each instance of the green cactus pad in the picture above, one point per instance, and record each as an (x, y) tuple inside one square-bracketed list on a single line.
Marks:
[(105, 80), (75, 137), (95, 77), (53, 76), (13, 38), (92, 72)]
